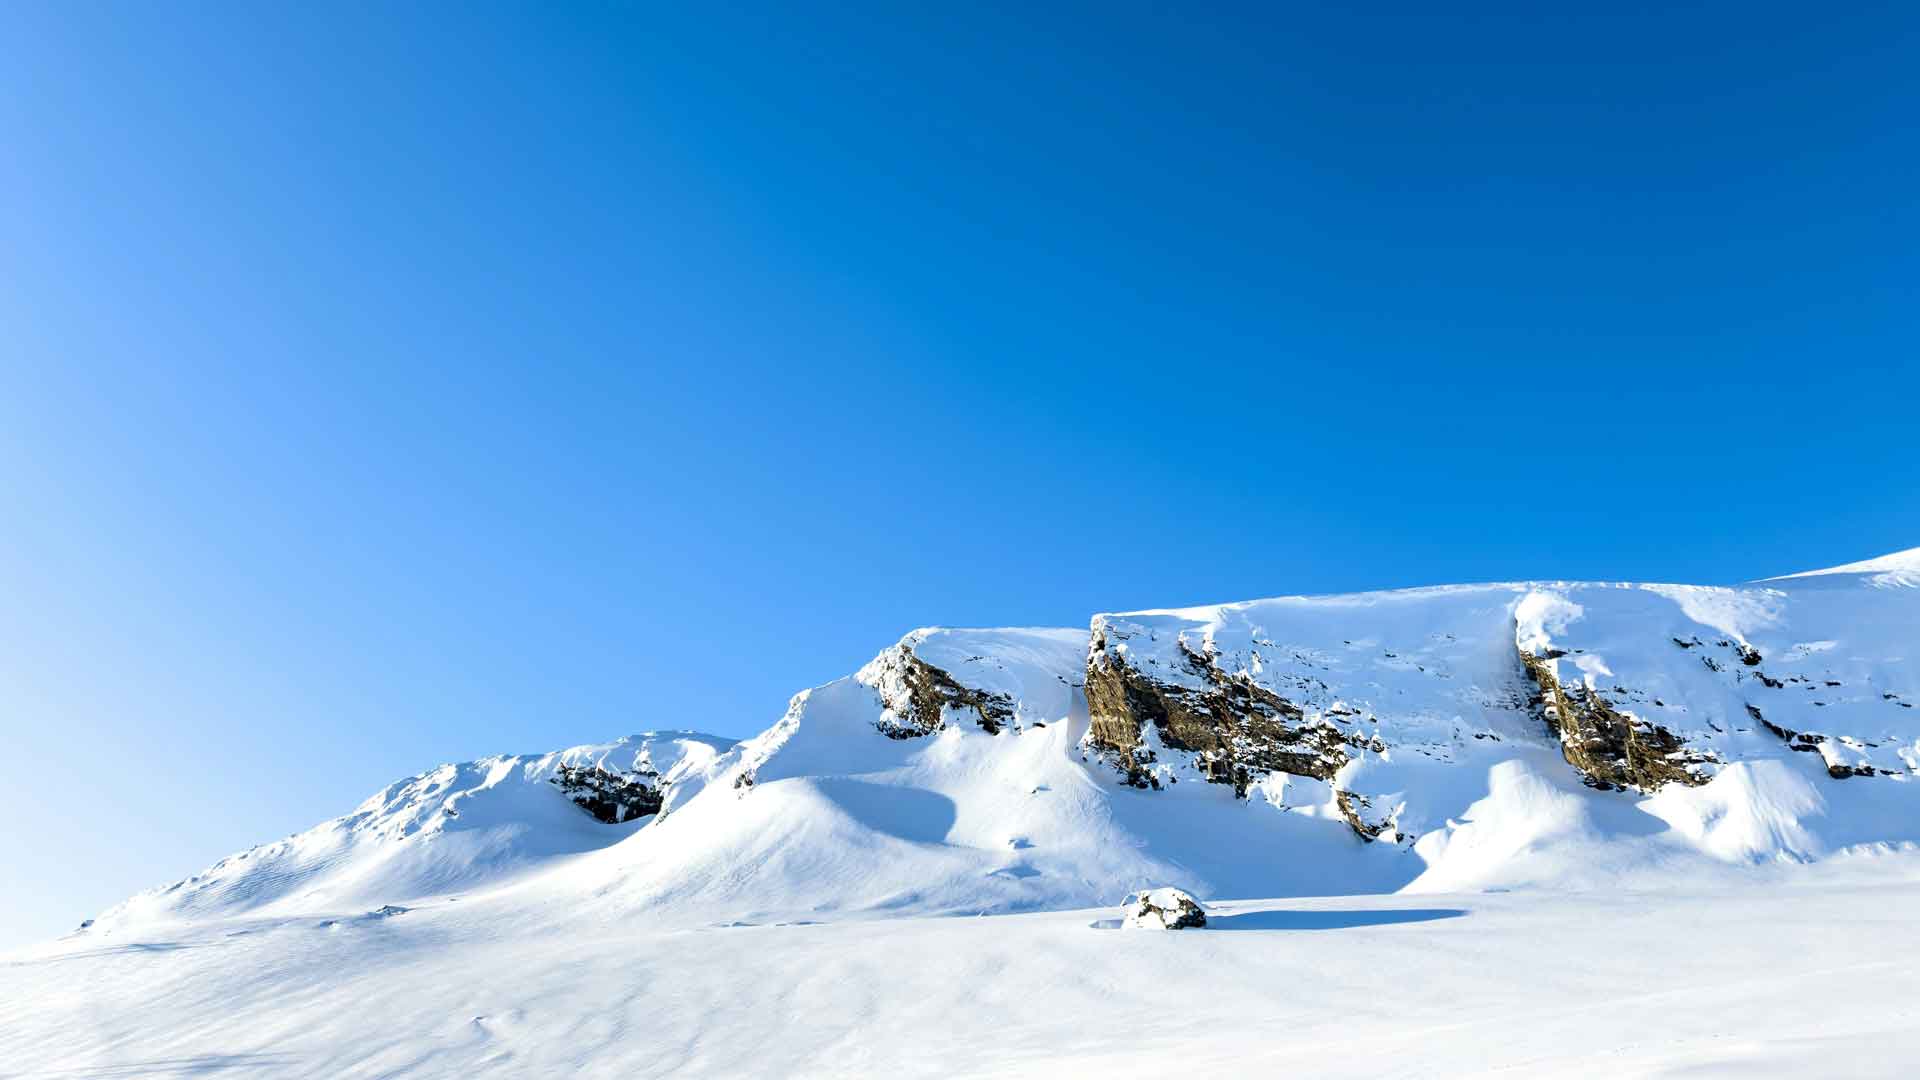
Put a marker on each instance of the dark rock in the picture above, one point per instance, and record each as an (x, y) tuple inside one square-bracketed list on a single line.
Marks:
[(1609, 747), (1784, 733), (923, 692), (1236, 729), (611, 797)]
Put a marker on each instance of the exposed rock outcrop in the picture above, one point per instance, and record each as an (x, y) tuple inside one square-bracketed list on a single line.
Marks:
[(1611, 749), (1235, 729), (919, 697), (1813, 742), (611, 797)]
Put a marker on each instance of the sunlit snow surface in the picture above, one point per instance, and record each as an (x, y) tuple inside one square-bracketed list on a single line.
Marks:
[(822, 898), (1813, 974)]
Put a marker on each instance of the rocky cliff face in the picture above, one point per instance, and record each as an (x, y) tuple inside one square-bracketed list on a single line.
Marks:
[(1235, 729), (1163, 708), (1155, 715), (990, 680), (920, 699), (1341, 706), (1647, 686), (1611, 749)]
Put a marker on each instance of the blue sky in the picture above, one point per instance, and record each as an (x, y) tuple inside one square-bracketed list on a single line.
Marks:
[(389, 384)]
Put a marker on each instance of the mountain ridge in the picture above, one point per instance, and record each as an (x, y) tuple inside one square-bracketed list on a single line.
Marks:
[(1465, 736)]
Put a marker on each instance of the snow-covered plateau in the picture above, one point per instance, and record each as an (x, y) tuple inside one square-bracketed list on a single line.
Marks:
[(1544, 828)]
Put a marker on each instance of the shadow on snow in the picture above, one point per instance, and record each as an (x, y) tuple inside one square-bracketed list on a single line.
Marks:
[(1327, 920), (1310, 920)]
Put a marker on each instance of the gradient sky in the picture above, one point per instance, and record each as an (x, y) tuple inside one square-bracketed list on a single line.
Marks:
[(391, 384)]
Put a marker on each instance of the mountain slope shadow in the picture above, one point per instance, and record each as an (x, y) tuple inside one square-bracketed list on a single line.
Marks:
[(910, 813), (1327, 920)]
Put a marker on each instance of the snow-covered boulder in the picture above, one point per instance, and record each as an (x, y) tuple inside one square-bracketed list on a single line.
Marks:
[(1165, 908)]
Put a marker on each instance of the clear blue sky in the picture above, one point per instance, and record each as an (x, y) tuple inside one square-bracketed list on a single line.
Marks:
[(389, 384)]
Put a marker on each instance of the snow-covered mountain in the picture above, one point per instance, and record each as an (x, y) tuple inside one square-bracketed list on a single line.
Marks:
[(483, 823), (1458, 737), (1677, 823)]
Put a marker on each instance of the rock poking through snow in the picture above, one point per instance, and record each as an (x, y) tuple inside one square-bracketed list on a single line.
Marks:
[(1612, 749), (919, 698), (1165, 908), (611, 797)]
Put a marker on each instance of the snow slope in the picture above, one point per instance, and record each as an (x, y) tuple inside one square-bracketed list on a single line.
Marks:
[(1899, 568), (455, 827), (1767, 749)]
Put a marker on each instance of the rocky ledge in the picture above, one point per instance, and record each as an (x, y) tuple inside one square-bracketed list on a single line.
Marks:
[(1236, 728), (1224, 723), (920, 699), (1612, 749), (1341, 708)]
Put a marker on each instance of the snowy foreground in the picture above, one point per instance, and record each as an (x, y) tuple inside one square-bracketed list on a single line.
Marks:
[(1536, 827), (1818, 976)]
